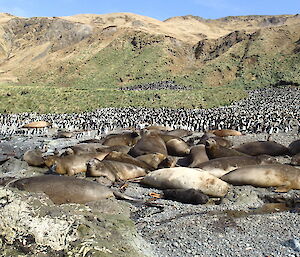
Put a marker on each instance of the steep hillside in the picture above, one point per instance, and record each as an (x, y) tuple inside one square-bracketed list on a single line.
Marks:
[(102, 53)]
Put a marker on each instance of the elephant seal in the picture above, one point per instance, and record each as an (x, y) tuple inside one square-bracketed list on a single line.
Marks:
[(178, 133), (221, 166), (126, 158), (197, 155), (262, 147), (72, 164), (214, 150), (149, 143), (128, 139), (61, 189), (158, 127), (37, 124), (152, 159), (114, 170), (177, 147), (191, 196), (220, 140), (225, 132), (186, 178), (296, 160), (97, 147), (65, 134), (284, 177), (294, 147), (34, 158)]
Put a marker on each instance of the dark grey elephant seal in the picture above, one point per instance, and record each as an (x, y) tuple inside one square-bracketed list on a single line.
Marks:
[(191, 196), (114, 170), (262, 147), (61, 189), (284, 177), (294, 147), (34, 158), (214, 150), (221, 166), (149, 143)]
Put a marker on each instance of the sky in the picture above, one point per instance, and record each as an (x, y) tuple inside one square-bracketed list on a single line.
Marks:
[(158, 9)]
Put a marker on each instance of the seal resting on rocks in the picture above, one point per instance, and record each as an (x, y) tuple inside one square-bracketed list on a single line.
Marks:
[(221, 141), (284, 177), (72, 164), (61, 189), (294, 147), (214, 150), (186, 178), (128, 139), (113, 170), (262, 147), (296, 160), (191, 196), (149, 143), (177, 147), (225, 132), (179, 133), (34, 158), (152, 159), (221, 166)]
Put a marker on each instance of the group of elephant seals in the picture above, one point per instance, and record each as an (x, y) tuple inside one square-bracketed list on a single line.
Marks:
[(262, 147), (221, 166), (62, 189), (284, 177), (186, 178), (114, 170)]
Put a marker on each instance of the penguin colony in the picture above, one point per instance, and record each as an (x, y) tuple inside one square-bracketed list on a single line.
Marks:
[(269, 110)]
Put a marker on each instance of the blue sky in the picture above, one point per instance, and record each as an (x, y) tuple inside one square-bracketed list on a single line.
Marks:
[(159, 9)]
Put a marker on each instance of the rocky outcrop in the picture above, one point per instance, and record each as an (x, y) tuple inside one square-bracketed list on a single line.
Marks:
[(32, 225)]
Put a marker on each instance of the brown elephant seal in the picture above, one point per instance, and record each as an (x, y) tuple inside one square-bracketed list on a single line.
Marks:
[(34, 158), (177, 147), (221, 166), (191, 196), (221, 141), (214, 150), (97, 147), (37, 124), (149, 143), (186, 178), (114, 170), (152, 159), (262, 147), (126, 158), (168, 162), (225, 132), (197, 155), (72, 164), (294, 147), (128, 138), (178, 133), (284, 177), (61, 189), (296, 160)]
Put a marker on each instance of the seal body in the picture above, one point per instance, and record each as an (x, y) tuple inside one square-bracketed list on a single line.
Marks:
[(152, 159), (37, 124), (114, 170), (214, 150), (177, 147), (128, 139), (61, 189), (284, 177), (197, 155), (294, 147), (149, 143), (34, 158), (225, 132), (191, 196), (186, 178), (179, 133), (220, 140), (262, 147), (221, 166)]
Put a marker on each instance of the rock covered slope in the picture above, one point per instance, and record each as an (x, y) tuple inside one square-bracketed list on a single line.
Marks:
[(122, 49)]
